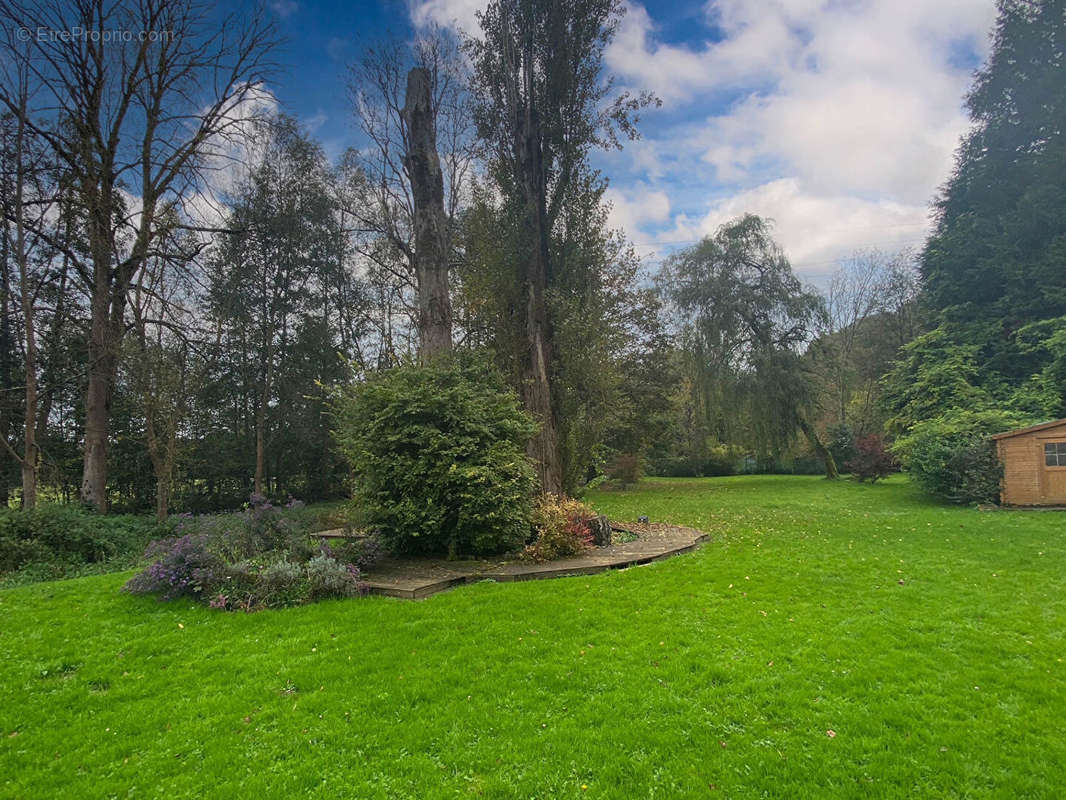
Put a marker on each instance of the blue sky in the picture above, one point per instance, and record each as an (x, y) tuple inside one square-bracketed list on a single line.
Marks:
[(836, 119)]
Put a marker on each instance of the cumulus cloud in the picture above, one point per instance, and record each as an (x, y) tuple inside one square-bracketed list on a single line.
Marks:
[(460, 15), (228, 157), (837, 119), (814, 229), (635, 208)]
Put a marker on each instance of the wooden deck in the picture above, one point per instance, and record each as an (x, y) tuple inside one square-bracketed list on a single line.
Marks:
[(416, 578)]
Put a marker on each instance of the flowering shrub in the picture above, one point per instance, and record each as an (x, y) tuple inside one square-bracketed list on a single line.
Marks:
[(184, 566), (252, 560), (562, 529)]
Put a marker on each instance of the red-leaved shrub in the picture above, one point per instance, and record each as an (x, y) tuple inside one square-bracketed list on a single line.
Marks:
[(871, 461)]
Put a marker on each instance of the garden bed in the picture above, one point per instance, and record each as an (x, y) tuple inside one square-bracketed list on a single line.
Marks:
[(416, 578)]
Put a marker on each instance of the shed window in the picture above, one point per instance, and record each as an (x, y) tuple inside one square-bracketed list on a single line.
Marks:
[(1055, 454)]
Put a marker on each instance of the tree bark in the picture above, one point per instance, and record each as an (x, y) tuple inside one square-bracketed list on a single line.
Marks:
[(259, 482), (820, 449), (30, 457), (103, 367), (537, 358), (430, 222), (162, 496)]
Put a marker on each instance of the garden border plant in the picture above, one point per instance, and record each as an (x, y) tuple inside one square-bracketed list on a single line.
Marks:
[(258, 559)]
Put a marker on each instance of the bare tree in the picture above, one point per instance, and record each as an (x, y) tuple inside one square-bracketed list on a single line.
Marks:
[(413, 176), (163, 345), (133, 107), (28, 206), (869, 288)]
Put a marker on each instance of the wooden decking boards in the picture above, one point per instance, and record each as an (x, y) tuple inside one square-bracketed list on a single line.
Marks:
[(417, 578)]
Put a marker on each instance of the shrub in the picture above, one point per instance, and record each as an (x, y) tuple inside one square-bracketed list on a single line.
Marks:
[(183, 566), (282, 583), (562, 529), (238, 588), (952, 457), (58, 539), (871, 461), (438, 458), (260, 558), (363, 552), (261, 529), (328, 577)]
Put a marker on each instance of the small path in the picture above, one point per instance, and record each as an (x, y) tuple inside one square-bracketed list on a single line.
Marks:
[(415, 578)]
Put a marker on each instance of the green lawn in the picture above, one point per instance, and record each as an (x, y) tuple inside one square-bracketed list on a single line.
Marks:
[(929, 639)]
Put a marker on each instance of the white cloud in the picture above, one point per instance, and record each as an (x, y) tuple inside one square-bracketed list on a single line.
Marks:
[(284, 8), (815, 230), (838, 118), (633, 209), (457, 14), (228, 158)]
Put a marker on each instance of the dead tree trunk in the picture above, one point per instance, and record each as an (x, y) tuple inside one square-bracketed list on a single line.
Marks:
[(430, 222)]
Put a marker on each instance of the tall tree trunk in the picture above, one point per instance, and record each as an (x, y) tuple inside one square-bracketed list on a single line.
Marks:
[(7, 344), (260, 427), (103, 364), (260, 449), (162, 494), (537, 358), (30, 456), (430, 223), (820, 449), (59, 321)]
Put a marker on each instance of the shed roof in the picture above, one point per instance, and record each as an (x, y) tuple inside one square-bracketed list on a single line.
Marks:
[(1030, 429)]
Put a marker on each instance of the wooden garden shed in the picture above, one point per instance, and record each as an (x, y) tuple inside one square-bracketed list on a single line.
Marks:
[(1034, 465)]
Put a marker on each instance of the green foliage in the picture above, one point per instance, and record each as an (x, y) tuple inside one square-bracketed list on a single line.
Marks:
[(438, 457), (57, 540), (951, 369), (936, 373), (841, 442), (562, 529), (952, 456), (745, 316), (992, 270), (998, 248)]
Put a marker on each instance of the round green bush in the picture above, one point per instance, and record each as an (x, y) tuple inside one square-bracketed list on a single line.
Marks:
[(438, 456), (952, 456)]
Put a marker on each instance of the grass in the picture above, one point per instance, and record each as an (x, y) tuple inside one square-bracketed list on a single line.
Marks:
[(929, 639)]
